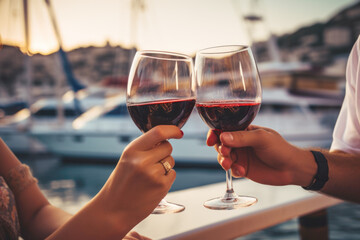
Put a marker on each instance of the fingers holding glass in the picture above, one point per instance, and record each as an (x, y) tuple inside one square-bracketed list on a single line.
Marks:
[(161, 91)]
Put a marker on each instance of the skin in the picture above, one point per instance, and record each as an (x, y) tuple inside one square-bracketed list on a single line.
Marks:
[(132, 191), (262, 155)]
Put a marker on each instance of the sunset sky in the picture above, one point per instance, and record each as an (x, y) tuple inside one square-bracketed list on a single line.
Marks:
[(175, 25)]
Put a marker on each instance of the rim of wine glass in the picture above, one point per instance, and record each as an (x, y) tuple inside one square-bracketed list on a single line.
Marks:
[(235, 48), (180, 56)]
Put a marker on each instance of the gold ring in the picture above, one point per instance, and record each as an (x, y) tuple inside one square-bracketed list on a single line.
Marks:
[(166, 166)]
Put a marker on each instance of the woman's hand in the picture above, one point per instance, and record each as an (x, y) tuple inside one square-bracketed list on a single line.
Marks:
[(130, 194), (260, 154), (139, 182)]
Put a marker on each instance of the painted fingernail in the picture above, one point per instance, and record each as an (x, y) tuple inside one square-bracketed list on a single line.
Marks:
[(182, 133), (216, 131)]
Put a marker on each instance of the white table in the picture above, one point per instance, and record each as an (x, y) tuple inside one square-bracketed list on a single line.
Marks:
[(275, 205)]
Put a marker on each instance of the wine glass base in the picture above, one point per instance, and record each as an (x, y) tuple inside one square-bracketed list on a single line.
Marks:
[(222, 203), (167, 207)]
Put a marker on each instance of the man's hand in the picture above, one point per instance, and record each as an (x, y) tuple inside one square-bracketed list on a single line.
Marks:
[(260, 154)]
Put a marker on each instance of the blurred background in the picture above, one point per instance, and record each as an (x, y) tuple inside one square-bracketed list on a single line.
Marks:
[(64, 67)]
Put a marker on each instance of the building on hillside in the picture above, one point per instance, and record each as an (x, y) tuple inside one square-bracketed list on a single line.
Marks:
[(324, 46)]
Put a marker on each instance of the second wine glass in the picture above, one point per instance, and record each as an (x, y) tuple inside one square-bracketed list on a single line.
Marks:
[(228, 99), (161, 91)]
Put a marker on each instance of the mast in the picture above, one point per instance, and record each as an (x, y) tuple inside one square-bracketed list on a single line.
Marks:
[(72, 81), (27, 60), (254, 19), (136, 6)]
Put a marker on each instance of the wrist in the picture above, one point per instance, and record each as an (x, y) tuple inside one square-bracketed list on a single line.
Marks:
[(322, 172), (304, 168), (93, 221), (117, 223)]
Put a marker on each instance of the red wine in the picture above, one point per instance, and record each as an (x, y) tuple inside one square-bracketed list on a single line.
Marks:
[(228, 115), (167, 112)]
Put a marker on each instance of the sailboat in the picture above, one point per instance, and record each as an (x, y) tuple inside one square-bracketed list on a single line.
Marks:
[(17, 116), (14, 110)]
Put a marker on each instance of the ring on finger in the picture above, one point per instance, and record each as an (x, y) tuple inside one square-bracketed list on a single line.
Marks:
[(166, 165)]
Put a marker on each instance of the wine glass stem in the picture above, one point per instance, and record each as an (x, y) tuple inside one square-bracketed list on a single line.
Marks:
[(229, 183)]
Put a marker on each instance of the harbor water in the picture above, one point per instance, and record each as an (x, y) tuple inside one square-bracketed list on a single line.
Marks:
[(69, 185)]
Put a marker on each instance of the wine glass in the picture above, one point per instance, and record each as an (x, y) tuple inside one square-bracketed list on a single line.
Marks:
[(161, 91), (228, 99)]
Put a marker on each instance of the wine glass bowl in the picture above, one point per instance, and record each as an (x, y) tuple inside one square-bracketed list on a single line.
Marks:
[(228, 99), (161, 91)]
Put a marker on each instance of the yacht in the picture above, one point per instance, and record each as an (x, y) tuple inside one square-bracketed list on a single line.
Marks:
[(101, 134), (14, 115)]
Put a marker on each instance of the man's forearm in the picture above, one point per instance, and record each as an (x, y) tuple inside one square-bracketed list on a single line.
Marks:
[(344, 177)]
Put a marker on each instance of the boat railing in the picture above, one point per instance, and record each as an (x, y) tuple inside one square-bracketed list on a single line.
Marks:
[(275, 205)]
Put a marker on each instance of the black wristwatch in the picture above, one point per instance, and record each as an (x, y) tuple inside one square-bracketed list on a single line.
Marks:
[(322, 173)]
